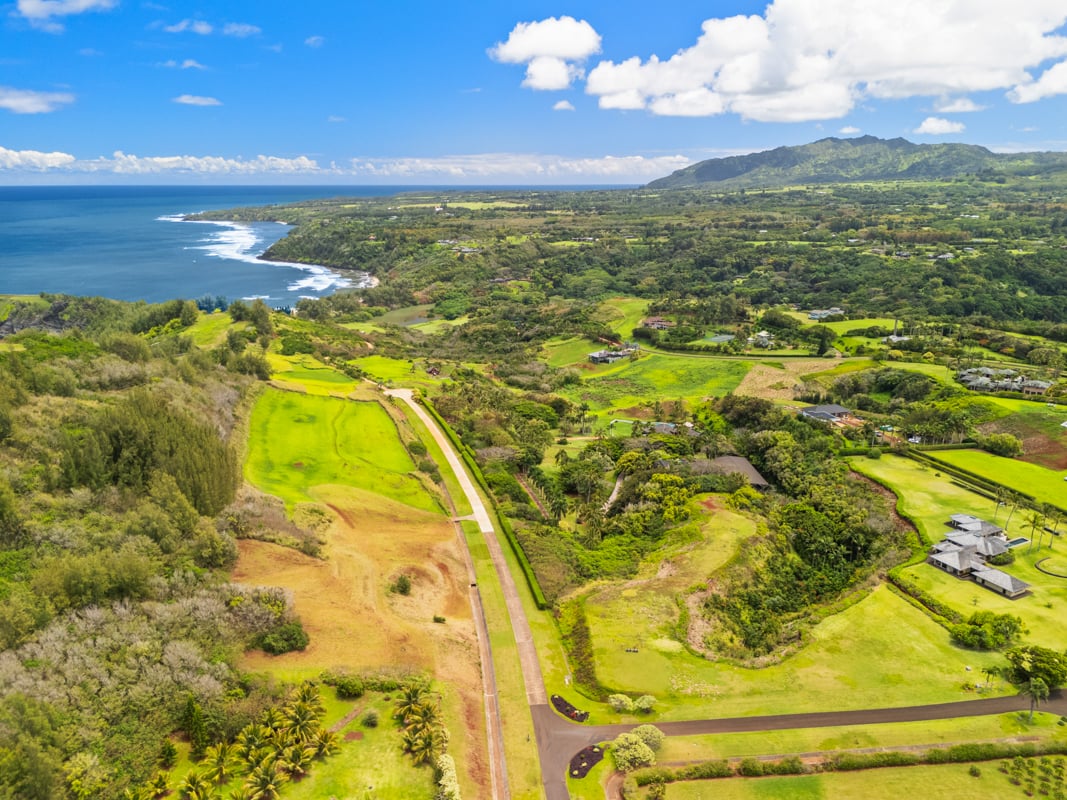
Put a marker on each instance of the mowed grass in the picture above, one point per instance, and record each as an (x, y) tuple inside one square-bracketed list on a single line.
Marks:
[(563, 352), (880, 652), (941, 782), (626, 314), (395, 371), (1046, 485), (658, 377), (937, 733), (928, 500), (298, 442), (372, 765), (307, 373)]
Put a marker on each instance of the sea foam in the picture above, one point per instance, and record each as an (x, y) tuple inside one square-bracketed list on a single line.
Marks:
[(237, 241)]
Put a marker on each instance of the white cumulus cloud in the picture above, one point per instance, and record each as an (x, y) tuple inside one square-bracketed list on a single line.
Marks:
[(315, 41), (26, 101), (123, 164), (41, 13), (563, 105), (241, 30), (1052, 82), (849, 130), (939, 126), (197, 26), (196, 100), (961, 105), (552, 50), (33, 160), (804, 60)]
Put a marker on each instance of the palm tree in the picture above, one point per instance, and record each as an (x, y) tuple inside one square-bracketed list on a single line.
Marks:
[(220, 761), (301, 721), (196, 787), (1014, 501), (1038, 691), (138, 793), (411, 696), (251, 742), (273, 718), (308, 694), (422, 717), (297, 760), (265, 781), (423, 745), (160, 784), (325, 743), (1034, 519), (241, 793), (1000, 496)]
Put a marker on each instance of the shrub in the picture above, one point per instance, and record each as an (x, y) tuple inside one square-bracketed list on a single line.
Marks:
[(284, 639), (402, 585), (650, 735), (438, 619), (370, 719), (645, 703), (349, 687), (751, 768), (621, 703), (632, 753)]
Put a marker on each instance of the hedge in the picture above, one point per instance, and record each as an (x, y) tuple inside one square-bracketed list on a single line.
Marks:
[(468, 458)]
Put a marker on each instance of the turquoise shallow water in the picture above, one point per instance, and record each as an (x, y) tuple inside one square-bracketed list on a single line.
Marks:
[(125, 242)]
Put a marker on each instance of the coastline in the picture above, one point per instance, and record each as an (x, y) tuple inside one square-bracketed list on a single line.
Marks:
[(239, 241)]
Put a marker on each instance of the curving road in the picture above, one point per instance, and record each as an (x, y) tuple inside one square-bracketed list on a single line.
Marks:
[(558, 739)]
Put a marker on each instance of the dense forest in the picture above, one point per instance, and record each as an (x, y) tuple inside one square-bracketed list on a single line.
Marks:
[(118, 468)]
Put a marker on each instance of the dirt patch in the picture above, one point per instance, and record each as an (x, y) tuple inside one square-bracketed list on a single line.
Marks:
[(711, 504), (353, 620), (699, 625), (353, 736)]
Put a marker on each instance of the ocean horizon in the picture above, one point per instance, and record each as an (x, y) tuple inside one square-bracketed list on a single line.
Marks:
[(131, 243)]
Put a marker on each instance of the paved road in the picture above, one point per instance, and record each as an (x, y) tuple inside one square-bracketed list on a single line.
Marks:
[(558, 739)]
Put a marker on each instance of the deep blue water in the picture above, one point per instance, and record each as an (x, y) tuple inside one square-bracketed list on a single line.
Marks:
[(125, 242)]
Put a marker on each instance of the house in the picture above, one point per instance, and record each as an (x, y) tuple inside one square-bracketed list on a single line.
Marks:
[(611, 356), (726, 465), (823, 313), (658, 323), (762, 339), (826, 413), (965, 550)]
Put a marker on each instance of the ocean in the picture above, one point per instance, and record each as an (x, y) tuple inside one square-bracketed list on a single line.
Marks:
[(129, 243)]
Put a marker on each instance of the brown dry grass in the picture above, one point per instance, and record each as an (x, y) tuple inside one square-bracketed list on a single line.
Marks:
[(352, 619), (772, 383)]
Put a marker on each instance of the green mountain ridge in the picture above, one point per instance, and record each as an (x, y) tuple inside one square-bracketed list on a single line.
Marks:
[(865, 158)]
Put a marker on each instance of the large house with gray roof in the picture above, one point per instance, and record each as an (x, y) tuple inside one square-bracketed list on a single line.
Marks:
[(966, 549)]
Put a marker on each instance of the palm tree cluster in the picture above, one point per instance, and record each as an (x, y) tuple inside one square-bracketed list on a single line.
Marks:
[(282, 745), (423, 734)]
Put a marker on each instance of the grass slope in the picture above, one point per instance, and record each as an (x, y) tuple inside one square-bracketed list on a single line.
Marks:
[(298, 442), (1046, 485)]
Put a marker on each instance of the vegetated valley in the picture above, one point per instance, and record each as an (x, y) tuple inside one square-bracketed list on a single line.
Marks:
[(624, 371)]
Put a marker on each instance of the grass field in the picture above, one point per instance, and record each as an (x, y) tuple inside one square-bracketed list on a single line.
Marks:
[(299, 442), (941, 782), (348, 457), (1046, 485), (395, 371), (1039, 427), (879, 652), (929, 500), (899, 734), (306, 373), (626, 314), (627, 385), (562, 352), (210, 329)]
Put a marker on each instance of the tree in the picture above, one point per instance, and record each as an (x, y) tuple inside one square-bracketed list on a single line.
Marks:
[(644, 704), (631, 753), (1038, 691), (621, 703), (196, 787), (650, 735), (265, 781), (1033, 661), (220, 761)]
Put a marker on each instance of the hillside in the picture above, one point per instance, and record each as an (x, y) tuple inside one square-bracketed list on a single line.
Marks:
[(866, 158)]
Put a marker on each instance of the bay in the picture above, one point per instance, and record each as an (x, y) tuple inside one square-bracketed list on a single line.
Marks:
[(127, 243)]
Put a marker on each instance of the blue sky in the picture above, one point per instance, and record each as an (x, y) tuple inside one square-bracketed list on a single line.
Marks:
[(505, 92)]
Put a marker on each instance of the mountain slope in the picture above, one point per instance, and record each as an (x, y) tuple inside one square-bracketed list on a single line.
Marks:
[(866, 158)]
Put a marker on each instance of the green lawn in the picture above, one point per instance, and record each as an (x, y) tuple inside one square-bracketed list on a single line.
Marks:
[(396, 371), (928, 500), (626, 313), (655, 377), (879, 652), (310, 374), (563, 352), (941, 782), (942, 732), (371, 767), (297, 442), (1046, 485)]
